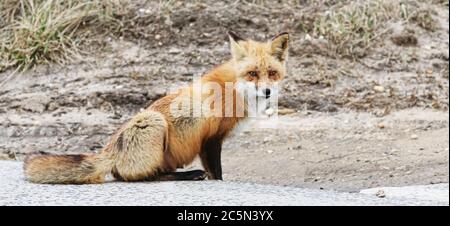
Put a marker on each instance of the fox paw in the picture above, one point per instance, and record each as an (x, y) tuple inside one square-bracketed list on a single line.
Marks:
[(198, 175)]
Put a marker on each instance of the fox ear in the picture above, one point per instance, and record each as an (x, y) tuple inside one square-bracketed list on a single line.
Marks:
[(237, 51), (279, 46)]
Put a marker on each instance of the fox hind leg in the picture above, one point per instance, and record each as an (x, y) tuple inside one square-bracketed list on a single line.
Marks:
[(140, 147)]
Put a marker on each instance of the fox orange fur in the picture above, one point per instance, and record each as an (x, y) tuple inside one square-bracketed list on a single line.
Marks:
[(155, 142)]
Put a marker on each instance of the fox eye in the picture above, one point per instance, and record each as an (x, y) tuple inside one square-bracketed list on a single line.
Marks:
[(253, 73), (272, 73)]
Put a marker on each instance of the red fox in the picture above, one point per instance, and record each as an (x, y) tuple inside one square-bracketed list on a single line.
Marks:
[(156, 141)]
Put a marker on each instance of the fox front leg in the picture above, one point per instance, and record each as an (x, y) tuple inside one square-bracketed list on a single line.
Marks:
[(210, 158)]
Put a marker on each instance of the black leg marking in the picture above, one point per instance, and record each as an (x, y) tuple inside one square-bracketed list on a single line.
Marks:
[(211, 158), (188, 175)]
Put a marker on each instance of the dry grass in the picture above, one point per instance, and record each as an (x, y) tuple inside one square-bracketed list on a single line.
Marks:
[(424, 19), (353, 29), (42, 31), (442, 2)]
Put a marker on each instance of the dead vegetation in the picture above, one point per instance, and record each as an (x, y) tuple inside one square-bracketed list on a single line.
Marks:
[(43, 31), (353, 29)]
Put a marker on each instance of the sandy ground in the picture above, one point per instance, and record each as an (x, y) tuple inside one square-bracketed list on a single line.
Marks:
[(346, 151)]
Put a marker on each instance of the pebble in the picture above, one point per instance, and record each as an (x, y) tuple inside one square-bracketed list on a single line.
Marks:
[(414, 137), (380, 193), (307, 37), (379, 89)]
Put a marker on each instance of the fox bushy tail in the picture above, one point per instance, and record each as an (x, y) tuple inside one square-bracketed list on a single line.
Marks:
[(67, 169), (134, 152)]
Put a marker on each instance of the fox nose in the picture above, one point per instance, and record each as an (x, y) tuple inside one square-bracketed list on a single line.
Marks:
[(266, 92)]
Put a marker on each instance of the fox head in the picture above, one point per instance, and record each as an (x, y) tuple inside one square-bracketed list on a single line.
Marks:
[(259, 66)]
